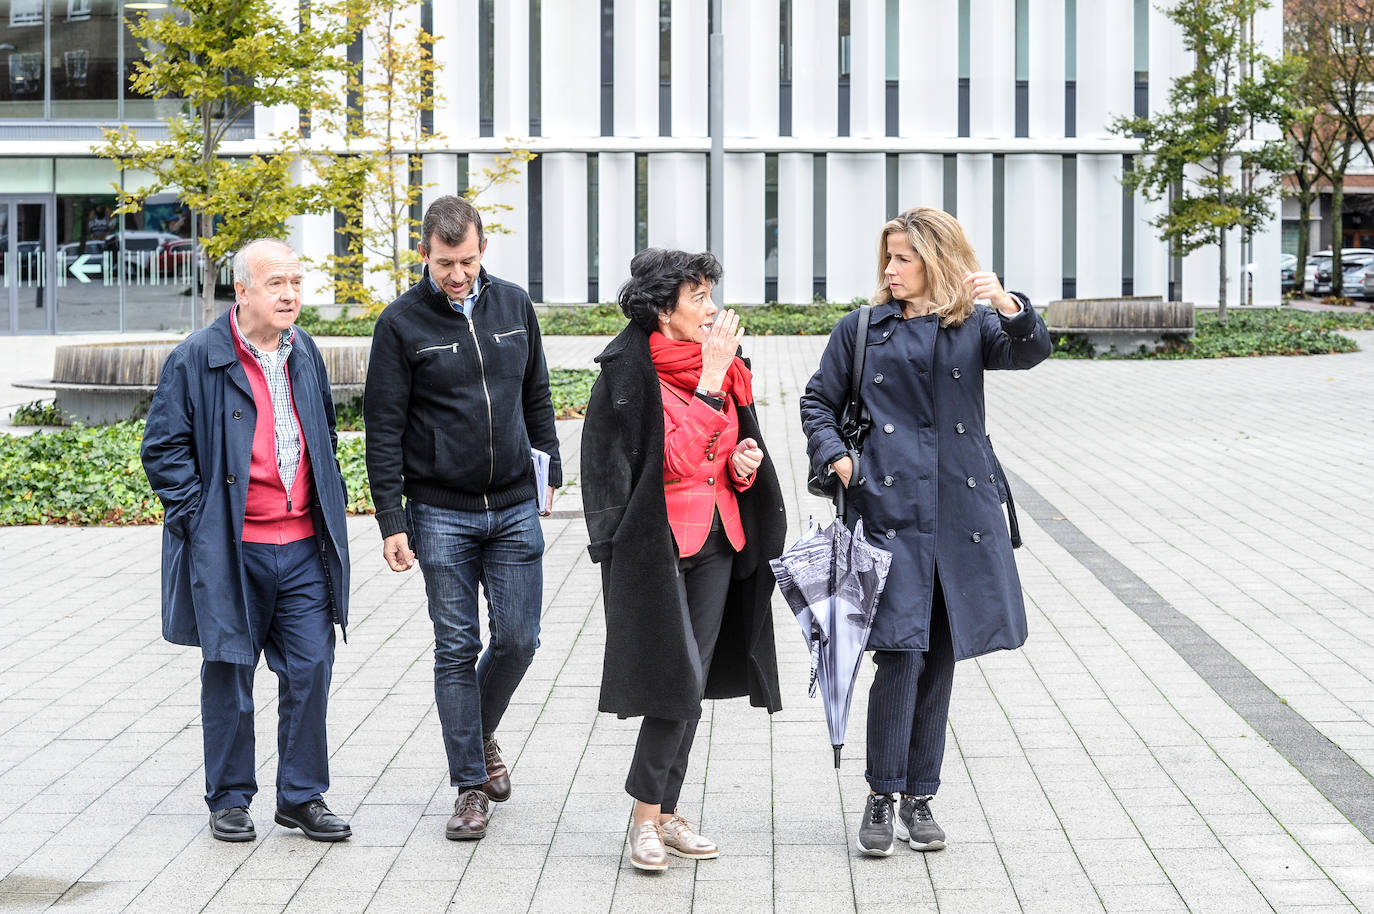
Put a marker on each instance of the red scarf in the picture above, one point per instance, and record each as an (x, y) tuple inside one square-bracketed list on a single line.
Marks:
[(678, 362)]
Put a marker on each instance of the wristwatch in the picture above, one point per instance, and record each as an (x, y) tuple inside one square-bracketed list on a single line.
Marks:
[(716, 394)]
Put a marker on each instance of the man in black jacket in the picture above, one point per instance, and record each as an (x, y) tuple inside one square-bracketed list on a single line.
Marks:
[(457, 395)]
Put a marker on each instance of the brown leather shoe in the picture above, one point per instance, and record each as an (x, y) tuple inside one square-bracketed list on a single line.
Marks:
[(469, 821), (498, 776)]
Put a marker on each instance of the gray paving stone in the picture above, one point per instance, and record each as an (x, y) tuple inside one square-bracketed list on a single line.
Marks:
[(1097, 752)]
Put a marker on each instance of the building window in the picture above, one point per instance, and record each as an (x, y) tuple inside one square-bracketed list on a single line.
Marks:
[(1142, 58), (1127, 231), (845, 40), (641, 201), (1070, 69), (534, 182), (1070, 238), (892, 55), (22, 53), (894, 203), (999, 214), (593, 227), (137, 107), (818, 224), (665, 67), (486, 67), (964, 68), (535, 67), (607, 69), (1022, 68), (770, 227), (784, 67)]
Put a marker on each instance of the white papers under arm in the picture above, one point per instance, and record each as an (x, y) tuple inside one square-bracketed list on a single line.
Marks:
[(541, 478)]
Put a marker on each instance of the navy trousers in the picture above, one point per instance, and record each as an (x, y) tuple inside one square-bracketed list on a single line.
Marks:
[(290, 622), (908, 707)]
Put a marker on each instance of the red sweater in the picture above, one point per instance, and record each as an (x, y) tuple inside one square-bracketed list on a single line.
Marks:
[(273, 515)]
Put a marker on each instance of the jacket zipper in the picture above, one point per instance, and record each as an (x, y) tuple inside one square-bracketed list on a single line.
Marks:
[(452, 347), (491, 431), (499, 336)]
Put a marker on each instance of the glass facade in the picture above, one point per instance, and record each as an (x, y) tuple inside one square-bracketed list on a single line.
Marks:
[(71, 60), (70, 263)]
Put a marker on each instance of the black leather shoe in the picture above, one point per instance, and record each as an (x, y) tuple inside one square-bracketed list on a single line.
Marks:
[(232, 824), (315, 819)]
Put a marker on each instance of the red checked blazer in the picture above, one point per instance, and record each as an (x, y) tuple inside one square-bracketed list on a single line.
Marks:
[(698, 478)]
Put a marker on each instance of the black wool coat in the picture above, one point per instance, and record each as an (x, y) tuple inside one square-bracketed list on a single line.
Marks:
[(650, 665)]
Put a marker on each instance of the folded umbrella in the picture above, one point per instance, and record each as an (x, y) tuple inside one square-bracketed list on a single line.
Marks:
[(832, 580)]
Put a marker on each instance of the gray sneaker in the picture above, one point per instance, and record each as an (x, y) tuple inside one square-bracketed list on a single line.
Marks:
[(875, 832), (916, 826)]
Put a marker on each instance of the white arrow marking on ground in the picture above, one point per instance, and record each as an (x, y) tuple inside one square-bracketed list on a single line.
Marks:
[(83, 270)]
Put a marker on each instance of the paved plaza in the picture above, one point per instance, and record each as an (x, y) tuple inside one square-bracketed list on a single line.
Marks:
[(1189, 728)]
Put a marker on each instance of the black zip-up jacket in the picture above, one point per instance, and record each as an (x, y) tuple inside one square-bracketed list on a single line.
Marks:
[(452, 406)]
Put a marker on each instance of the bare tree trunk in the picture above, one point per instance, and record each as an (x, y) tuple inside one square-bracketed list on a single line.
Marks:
[(1337, 235), (207, 226), (1221, 253), (1304, 239)]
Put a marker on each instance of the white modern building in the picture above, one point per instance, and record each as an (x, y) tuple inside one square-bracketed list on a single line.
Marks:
[(837, 115)]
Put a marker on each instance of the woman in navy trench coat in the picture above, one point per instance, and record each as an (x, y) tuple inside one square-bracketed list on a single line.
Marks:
[(930, 490)]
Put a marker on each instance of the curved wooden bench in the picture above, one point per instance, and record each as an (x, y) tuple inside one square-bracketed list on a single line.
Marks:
[(1124, 324)]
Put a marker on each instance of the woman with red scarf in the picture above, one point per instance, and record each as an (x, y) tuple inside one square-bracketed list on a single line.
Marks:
[(684, 511)]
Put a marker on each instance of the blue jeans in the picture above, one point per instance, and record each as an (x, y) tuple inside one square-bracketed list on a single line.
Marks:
[(503, 550), (288, 614)]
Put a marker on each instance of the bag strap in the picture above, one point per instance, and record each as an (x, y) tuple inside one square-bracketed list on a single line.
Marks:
[(857, 359)]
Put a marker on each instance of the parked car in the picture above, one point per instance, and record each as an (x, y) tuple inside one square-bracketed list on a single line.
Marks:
[(1288, 263), (1367, 282), (1315, 262), (138, 251), (1352, 272)]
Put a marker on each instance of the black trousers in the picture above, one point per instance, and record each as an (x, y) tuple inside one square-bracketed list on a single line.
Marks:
[(660, 760), (908, 708)]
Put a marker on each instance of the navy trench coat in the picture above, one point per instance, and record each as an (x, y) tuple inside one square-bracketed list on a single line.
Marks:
[(196, 451), (929, 487)]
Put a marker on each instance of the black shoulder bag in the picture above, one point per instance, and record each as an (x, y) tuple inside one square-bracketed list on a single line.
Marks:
[(854, 418)]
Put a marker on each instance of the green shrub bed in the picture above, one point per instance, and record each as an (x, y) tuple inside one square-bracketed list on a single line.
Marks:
[(569, 388), (94, 476), (1286, 331)]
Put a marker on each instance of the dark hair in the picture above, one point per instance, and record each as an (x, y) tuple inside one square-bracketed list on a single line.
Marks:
[(656, 276), (449, 218)]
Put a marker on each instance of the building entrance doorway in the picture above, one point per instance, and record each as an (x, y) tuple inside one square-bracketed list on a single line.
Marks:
[(28, 271)]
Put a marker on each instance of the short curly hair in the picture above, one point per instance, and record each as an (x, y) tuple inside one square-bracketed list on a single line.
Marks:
[(656, 277)]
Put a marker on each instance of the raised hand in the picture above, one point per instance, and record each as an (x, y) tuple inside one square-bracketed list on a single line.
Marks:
[(719, 347)]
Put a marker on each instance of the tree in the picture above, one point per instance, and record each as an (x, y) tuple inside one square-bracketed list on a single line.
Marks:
[(370, 180), (1334, 40), (221, 58), (1209, 125)]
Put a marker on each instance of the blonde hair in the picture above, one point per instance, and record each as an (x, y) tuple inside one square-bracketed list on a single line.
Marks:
[(940, 242)]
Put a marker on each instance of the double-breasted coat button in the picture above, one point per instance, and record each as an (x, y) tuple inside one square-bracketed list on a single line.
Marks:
[(230, 479), (878, 378), (238, 414), (887, 480), (889, 428), (977, 537), (710, 456), (972, 483), (959, 428), (892, 534), (710, 480), (955, 373)]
